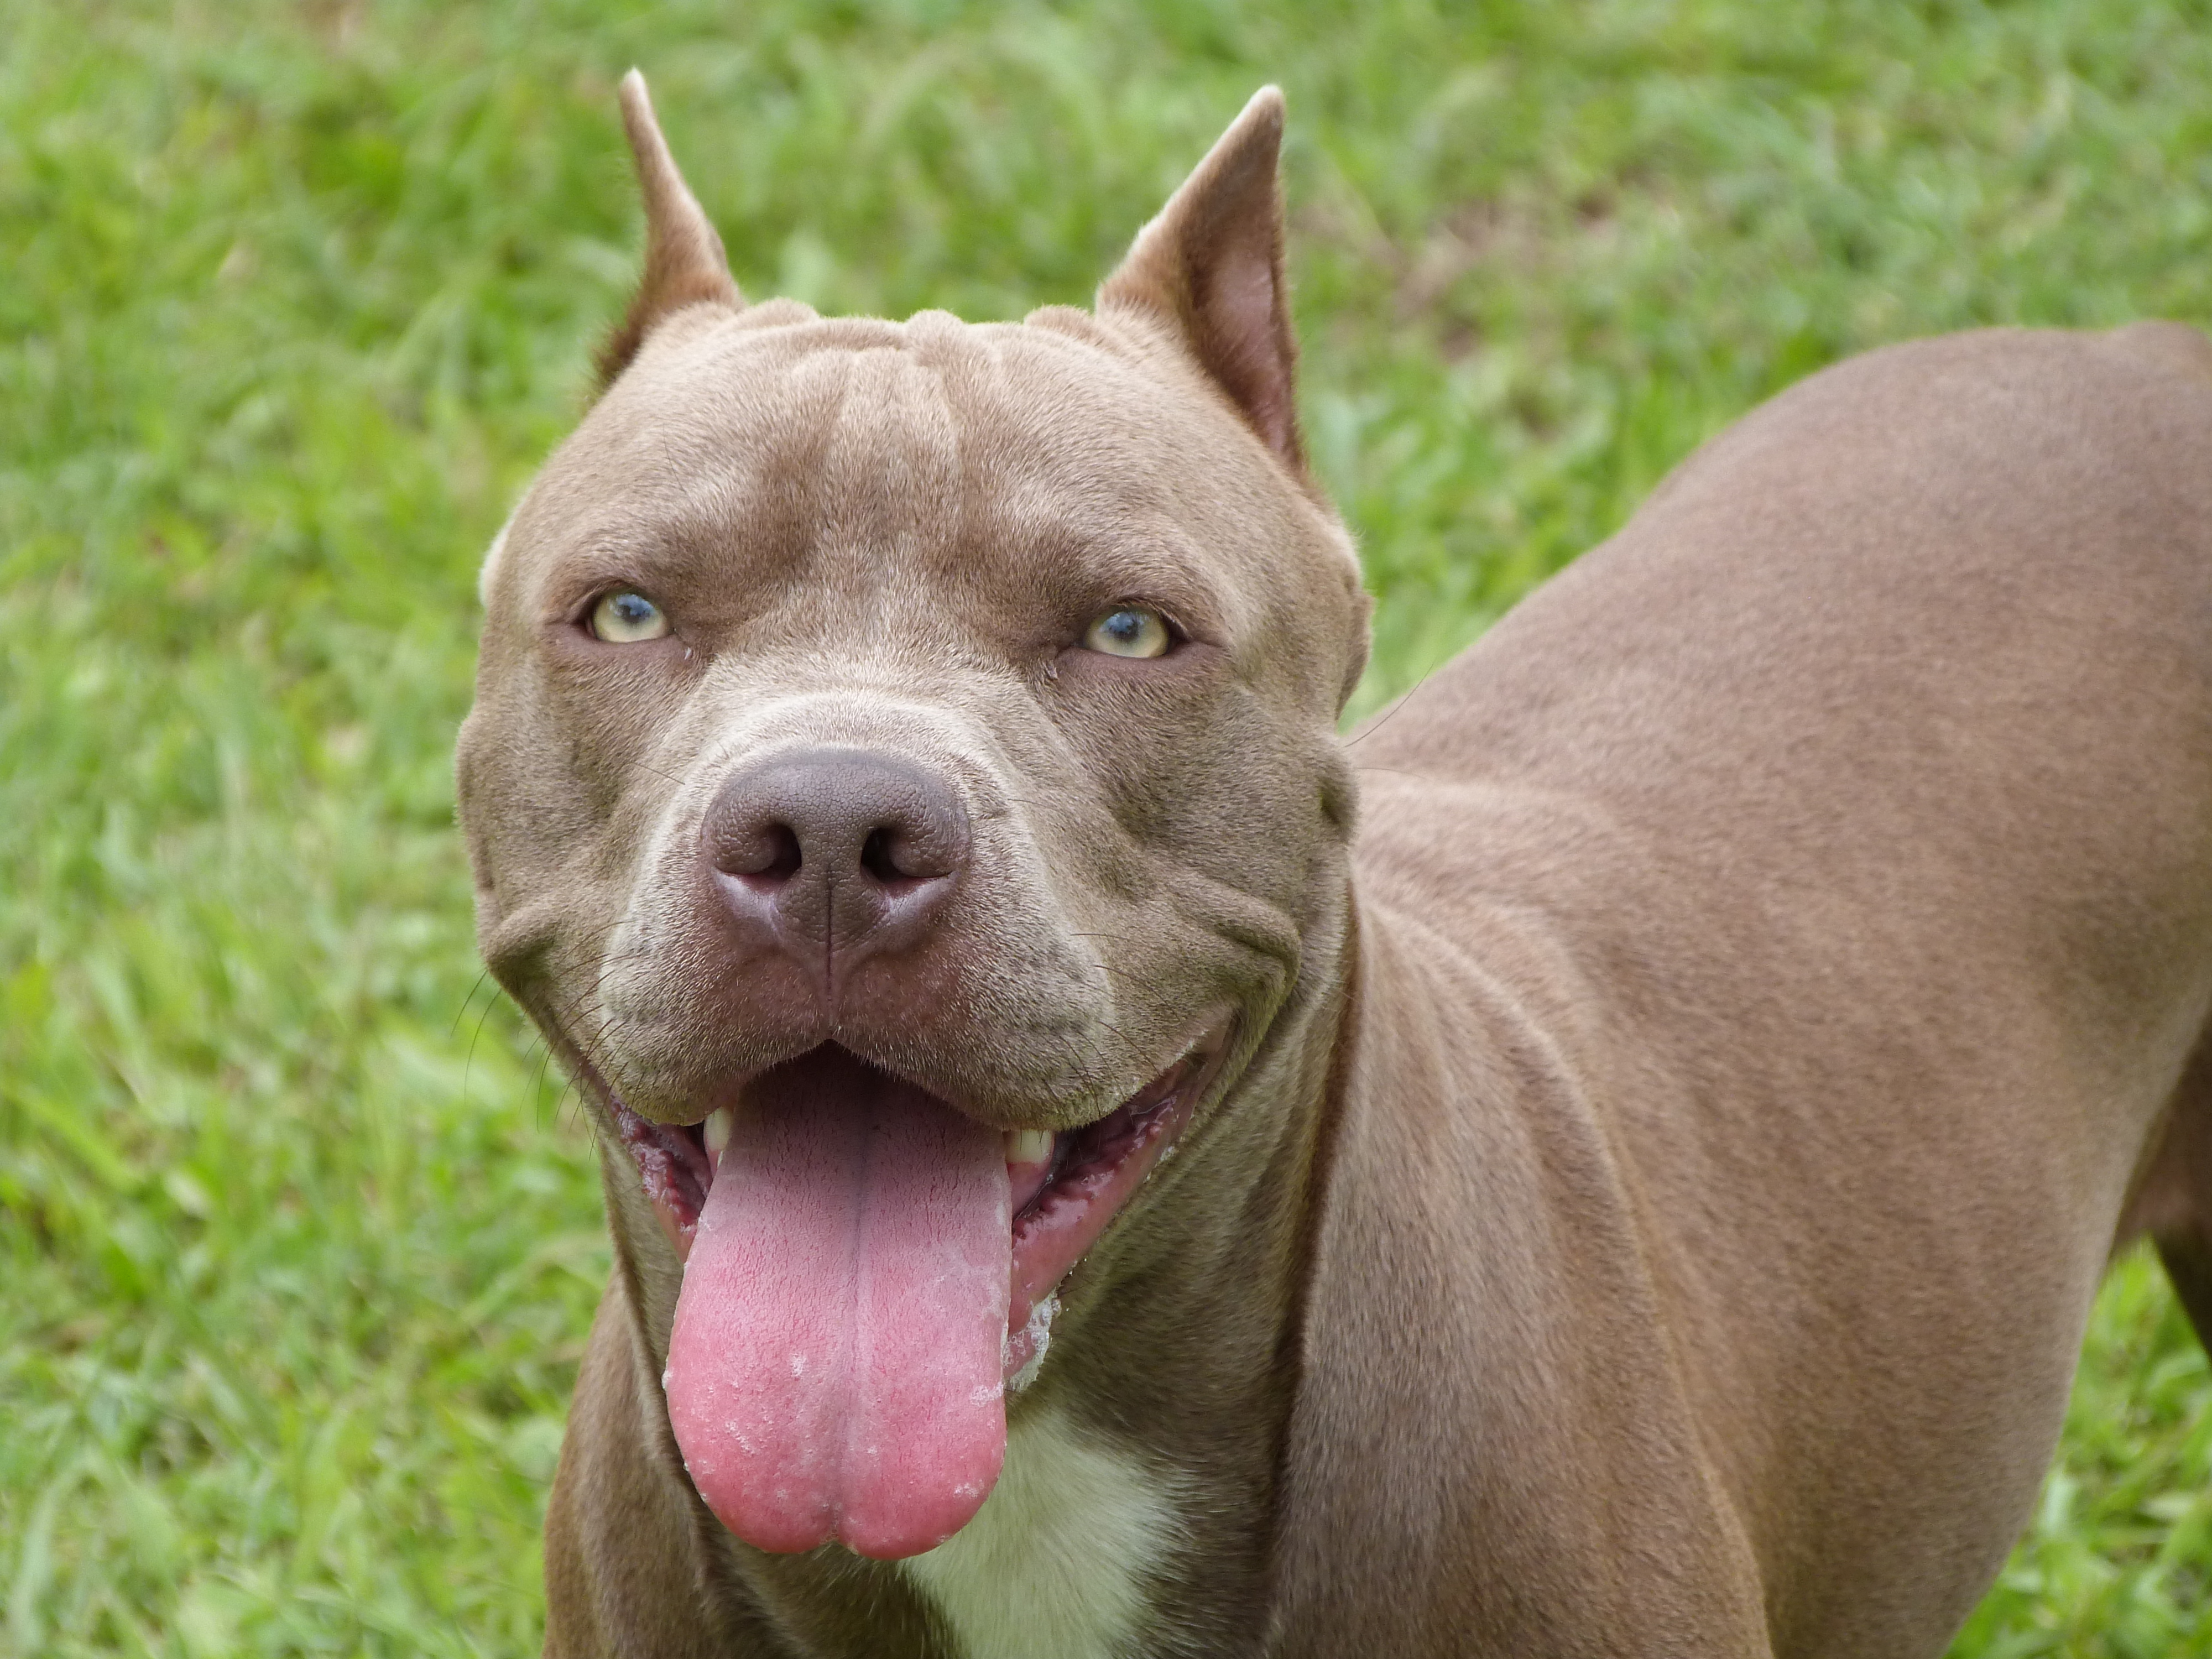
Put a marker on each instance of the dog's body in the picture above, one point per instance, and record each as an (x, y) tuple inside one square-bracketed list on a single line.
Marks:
[(1650, 1195)]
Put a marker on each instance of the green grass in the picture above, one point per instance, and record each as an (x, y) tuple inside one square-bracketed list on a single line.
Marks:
[(298, 1244)]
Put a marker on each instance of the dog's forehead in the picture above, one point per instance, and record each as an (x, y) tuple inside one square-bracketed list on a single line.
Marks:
[(865, 432)]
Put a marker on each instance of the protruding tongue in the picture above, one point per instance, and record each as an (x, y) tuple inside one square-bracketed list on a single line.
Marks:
[(835, 1370)]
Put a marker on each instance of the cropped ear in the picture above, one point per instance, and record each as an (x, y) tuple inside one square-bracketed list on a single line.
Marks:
[(1210, 267), (683, 260)]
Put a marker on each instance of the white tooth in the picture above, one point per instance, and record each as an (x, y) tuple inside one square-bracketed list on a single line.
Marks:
[(717, 1130), (1028, 1145)]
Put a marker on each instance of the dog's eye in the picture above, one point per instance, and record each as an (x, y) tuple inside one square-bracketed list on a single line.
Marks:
[(624, 619), (1129, 630)]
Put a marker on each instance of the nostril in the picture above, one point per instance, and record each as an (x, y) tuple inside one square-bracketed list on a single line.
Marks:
[(876, 858), (900, 857), (766, 855), (786, 859)]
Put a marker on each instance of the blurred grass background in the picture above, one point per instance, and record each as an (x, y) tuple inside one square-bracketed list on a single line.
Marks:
[(298, 1244)]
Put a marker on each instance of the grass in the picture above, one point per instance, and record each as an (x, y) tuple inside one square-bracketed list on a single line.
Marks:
[(298, 1242)]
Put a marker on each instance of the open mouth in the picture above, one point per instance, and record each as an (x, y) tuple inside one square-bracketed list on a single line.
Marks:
[(866, 1270)]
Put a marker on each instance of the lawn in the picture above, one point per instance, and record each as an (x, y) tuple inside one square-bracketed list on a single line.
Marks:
[(299, 1239)]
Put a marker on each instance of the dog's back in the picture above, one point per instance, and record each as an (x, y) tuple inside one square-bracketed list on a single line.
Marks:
[(1842, 830)]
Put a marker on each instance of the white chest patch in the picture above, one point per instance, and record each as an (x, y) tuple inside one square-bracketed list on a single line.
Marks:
[(1054, 1565)]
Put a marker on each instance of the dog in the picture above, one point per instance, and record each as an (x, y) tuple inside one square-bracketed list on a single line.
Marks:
[(1075, 1194)]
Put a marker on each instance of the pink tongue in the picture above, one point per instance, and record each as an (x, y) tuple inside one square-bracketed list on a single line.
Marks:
[(835, 1370)]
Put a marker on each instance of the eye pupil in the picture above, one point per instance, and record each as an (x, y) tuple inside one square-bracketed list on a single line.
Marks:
[(632, 608), (1125, 625)]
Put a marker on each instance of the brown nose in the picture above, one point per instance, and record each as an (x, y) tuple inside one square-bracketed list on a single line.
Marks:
[(834, 853)]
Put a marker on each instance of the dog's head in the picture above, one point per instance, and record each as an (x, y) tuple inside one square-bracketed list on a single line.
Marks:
[(902, 785)]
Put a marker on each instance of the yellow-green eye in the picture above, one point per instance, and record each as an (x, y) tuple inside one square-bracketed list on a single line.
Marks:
[(1128, 631), (624, 619)]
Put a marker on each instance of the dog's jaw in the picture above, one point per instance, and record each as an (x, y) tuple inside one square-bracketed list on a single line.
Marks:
[(1096, 1171), (791, 1229), (1064, 1190)]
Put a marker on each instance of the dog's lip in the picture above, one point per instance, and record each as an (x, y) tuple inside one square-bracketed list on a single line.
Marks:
[(1094, 1171)]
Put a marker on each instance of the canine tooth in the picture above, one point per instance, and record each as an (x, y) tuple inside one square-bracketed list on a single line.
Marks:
[(717, 1130), (1028, 1145)]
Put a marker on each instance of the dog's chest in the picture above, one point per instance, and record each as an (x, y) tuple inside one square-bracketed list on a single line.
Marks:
[(1059, 1561)]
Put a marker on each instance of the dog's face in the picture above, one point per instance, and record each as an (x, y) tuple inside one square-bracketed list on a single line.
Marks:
[(1003, 587), (903, 753)]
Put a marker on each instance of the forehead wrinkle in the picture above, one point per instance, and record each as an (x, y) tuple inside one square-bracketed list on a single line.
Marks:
[(889, 489), (1081, 487), (886, 493), (726, 434)]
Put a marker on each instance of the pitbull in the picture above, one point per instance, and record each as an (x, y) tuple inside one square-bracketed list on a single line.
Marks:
[(1073, 1196)]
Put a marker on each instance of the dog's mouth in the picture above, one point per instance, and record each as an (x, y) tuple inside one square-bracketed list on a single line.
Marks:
[(866, 1270)]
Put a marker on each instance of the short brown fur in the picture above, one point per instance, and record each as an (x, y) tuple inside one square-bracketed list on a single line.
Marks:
[(1655, 1199)]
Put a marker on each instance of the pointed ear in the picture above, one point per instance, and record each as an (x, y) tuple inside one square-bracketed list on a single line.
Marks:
[(683, 260), (1210, 267)]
